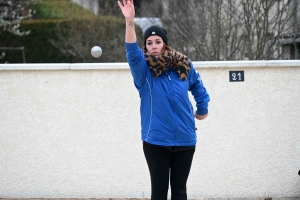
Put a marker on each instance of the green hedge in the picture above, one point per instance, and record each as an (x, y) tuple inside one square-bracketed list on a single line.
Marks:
[(59, 9), (43, 45), (38, 49)]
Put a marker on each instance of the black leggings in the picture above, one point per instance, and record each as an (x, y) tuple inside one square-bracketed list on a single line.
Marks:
[(162, 163)]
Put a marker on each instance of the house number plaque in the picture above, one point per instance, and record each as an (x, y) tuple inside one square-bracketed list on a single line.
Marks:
[(236, 76)]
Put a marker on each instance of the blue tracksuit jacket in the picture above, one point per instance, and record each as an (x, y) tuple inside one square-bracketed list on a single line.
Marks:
[(167, 116)]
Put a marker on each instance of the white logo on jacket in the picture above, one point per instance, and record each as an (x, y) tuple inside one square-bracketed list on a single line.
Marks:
[(199, 78)]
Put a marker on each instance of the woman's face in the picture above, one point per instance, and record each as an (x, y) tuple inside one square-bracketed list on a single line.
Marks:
[(155, 45)]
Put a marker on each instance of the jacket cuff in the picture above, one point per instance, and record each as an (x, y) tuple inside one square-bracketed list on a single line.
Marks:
[(131, 46), (202, 111)]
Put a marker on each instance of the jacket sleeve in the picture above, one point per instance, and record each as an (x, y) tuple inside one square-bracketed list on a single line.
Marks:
[(137, 63), (199, 92)]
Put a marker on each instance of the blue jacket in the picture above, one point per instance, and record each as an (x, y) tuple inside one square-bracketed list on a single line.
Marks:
[(167, 116)]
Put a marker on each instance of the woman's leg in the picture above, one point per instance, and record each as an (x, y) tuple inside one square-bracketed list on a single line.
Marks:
[(181, 162), (158, 160)]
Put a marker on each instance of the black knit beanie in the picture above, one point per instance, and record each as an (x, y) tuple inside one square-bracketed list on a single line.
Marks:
[(156, 30)]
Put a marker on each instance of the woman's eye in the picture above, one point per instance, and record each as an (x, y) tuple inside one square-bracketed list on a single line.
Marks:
[(158, 42), (149, 43)]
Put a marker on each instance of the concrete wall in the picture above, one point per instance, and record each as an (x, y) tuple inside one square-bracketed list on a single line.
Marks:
[(73, 131)]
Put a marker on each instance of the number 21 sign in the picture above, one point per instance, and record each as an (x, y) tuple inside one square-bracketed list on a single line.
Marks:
[(236, 76)]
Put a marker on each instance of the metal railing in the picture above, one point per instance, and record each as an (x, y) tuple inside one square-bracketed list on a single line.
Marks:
[(15, 48)]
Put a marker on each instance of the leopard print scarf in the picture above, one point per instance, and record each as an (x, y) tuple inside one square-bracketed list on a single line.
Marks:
[(170, 57)]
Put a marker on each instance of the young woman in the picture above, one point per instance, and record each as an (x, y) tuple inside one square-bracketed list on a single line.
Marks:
[(163, 78)]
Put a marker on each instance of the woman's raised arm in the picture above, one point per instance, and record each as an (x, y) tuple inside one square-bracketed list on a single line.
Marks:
[(128, 11)]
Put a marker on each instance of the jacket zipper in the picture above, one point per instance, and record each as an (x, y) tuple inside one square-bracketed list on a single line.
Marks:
[(175, 136)]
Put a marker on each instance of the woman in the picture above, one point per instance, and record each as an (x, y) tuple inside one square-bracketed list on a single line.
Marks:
[(163, 78)]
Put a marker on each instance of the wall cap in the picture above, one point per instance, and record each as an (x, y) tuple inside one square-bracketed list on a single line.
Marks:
[(124, 65)]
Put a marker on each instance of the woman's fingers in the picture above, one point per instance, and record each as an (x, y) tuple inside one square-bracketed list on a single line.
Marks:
[(127, 8), (120, 5), (125, 2)]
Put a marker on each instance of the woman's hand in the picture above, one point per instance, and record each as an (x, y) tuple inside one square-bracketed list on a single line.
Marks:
[(200, 117), (127, 9)]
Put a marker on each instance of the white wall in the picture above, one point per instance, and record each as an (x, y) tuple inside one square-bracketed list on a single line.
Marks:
[(73, 131)]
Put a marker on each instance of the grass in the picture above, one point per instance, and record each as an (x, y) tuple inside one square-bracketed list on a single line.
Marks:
[(59, 9)]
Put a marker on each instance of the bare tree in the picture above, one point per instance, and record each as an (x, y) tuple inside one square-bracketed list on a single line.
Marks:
[(12, 12), (231, 29)]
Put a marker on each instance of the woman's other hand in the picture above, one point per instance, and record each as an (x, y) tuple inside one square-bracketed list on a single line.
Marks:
[(200, 117)]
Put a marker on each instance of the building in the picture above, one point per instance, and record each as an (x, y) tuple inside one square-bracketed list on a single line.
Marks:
[(290, 40)]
